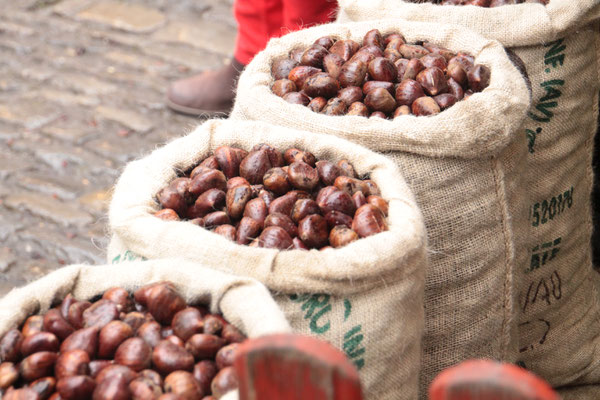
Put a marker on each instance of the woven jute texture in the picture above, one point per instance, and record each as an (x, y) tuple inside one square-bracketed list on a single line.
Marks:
[(558, 289), (365, 298), (465, 166), (244, 302)]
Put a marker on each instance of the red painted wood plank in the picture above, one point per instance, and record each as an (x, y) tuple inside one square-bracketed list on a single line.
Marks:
[(292, 367), (489, 380)]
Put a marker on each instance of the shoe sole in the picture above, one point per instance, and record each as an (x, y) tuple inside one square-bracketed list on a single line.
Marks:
[(196, 112)]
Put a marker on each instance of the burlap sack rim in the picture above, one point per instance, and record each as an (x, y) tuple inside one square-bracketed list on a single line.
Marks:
[(144, 234), (552, 22), (421, 135), (78, 279)]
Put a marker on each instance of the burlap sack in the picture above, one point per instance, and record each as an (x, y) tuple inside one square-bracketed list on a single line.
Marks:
[(559, 44), (464, 166), (244, 302), (365, 298)]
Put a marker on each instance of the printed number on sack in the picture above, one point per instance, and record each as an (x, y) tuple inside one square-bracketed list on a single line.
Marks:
[(547, 210)]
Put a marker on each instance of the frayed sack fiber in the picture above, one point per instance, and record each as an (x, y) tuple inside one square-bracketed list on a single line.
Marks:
[(558, 289), (465, 166), (243, 302), (365, 298)]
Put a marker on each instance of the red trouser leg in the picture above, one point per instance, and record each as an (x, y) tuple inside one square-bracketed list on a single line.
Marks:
[(260, 20)]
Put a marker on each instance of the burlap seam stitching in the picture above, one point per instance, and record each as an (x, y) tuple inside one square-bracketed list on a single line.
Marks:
[(508, 255)]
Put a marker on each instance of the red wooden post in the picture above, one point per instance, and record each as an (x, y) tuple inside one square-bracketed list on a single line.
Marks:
[(489, 380), (292, 367)]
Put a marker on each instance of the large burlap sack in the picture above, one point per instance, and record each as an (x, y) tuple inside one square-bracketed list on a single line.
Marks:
[(465, 167), (243, 302), (559, 44), (365, 298)]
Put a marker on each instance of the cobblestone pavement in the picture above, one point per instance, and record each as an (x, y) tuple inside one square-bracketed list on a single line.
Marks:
[(82, 84)]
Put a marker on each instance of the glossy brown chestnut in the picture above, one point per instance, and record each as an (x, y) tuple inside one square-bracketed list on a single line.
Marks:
[(275, 237), (168, 357)]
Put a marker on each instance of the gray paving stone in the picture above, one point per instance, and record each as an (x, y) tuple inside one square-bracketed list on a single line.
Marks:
[(49, 184), (66, 98), (11, 163), (47, 207), (7, 259), (83, 83), (65, 246), (203, 34), (129, 17), (130, 119), (182, 55), (32, 113)]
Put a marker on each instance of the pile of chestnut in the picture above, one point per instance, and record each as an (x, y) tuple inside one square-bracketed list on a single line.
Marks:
[(149, 346), (265, 198), (480, 3), (384, 77)]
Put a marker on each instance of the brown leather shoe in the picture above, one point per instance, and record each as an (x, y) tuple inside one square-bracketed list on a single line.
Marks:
[(209, 93)]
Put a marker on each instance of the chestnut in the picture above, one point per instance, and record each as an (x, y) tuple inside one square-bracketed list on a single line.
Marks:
[(283, 221), (302, 176), (204, 372), (8, 375), (275, 237), (55, 323), (184, 385), (300, 74), (71, 363), (321, 85), (224, 382), (351, 94), (380, 99), (213, 325), (37, 365), (344, 49), (111, 336), (335, 106), (332, 64), (283, 86), (341, 235), (353, 73), (433, 81), (209, 179), (317, 104), (167, 214), (76, 387), (359, 109), (134, 353), (479, 77), (99, 314), (297, 98), (313, 231), (202, 345), (276, 180), (292, 155), (280, 69), (229, 159), (368, 221), (187, 322), (313, 56), (248, 229), (168, 357), (425, 106), (382, 69)]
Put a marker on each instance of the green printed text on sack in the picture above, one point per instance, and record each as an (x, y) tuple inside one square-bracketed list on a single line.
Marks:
[(317, 308)]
